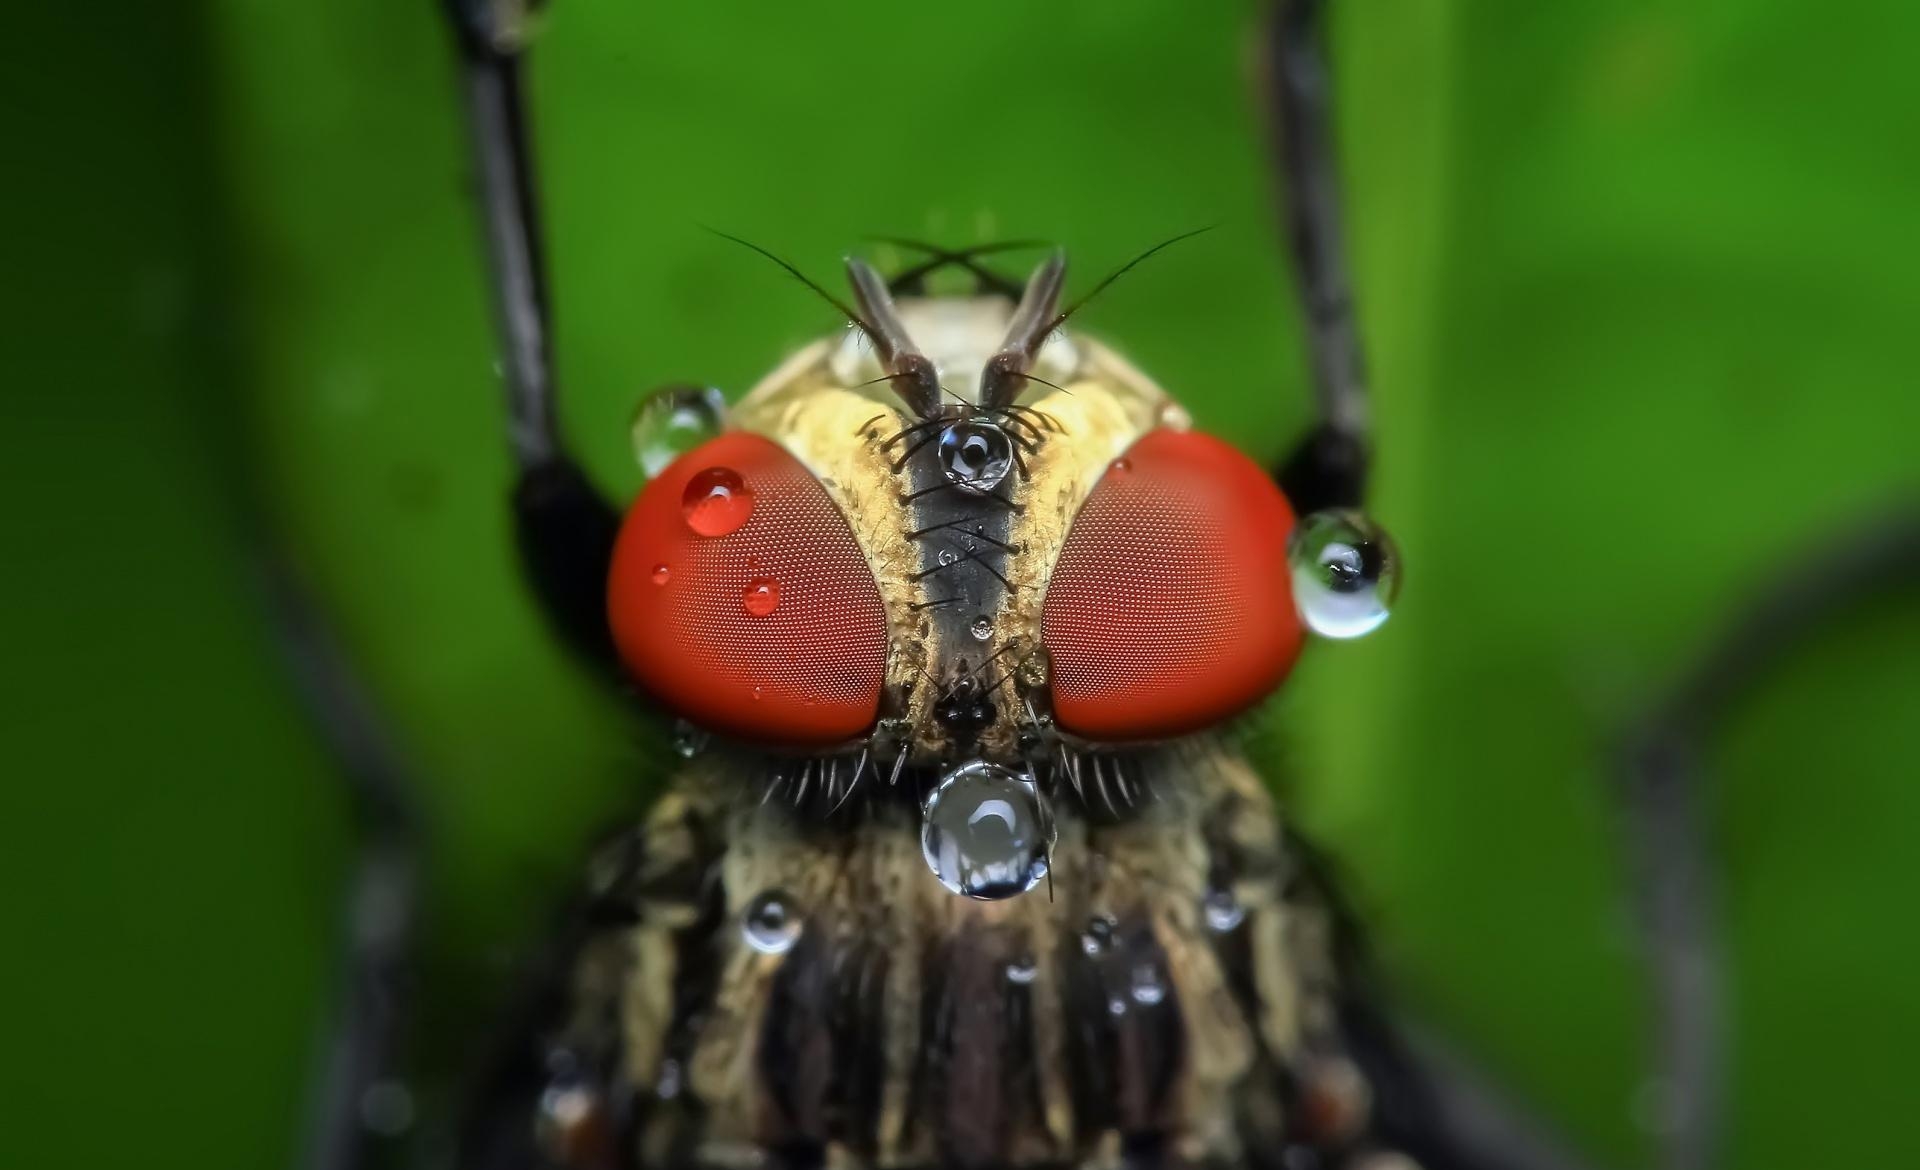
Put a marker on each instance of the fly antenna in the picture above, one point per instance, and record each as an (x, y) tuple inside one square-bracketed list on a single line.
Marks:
[(855, 319), (1116, 274), (1006, 372), (911, 372)]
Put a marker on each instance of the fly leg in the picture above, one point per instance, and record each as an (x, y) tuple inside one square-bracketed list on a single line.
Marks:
[(359, 1105), (1329, 467), (1661, 785), (564, 527)]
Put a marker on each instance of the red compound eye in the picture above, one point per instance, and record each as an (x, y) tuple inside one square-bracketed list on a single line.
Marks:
[(740, 599), (1171, 606)]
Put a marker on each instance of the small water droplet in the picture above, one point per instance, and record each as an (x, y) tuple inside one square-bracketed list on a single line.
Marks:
[(762, 596), (759, 693), (716, 502), (771, 925), (688, 740), (1034, 670), (1022, 970), (667, 1087), (1147, 989), (1345, 573), (982, 627), (1098, 935), (948, 556), (386, 1108), (984, 832), (672, 421), (975, 455), (1223, 911), (1121, 465), (1116, 1006), (662, 574)]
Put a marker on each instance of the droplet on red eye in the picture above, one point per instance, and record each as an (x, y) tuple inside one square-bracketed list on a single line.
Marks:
[(716, 502), (740, 599), (1171, 604)]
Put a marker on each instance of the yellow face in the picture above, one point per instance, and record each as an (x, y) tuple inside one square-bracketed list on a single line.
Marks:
[(961, 575)]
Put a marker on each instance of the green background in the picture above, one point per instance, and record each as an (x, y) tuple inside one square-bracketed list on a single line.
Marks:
[(1638, 284)]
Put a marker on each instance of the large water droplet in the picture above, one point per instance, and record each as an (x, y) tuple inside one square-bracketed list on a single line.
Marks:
[(982, 627), (975, 455), (1147, 988), (1022, 970), (985, 833), (1223, 911), (672, 421), (762, 596), (662, 574), (1098, 935), (771, 924), (1345, 573), (716, 502), (688, 740)]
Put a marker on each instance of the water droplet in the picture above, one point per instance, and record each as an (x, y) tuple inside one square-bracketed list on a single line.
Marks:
[(762, 596), (1147, 989), (386, 1108), (1022, 970), (982, 627), (688, 740), (1345, 573), (1034, 669), (1098, 935), (975, 455), (759, 693), (662, 574), (667, 1087), (771, 926), (716, 502), (948, 556), (1121, 465), (1116, 1006), (984, 832), (672, 421), (1223, 911)]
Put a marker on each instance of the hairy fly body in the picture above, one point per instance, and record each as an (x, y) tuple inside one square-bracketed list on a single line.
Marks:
[(961, 865)]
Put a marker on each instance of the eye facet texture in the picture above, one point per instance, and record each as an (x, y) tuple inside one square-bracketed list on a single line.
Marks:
[(739, 598), (1171, 605)]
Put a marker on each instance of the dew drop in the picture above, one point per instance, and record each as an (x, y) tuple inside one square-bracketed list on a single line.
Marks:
[(662, 574), (762, 596), (1122, 466), (1345, 573), (982, 628), (1022, 970), (716, 502), (984, 832), (771, 924), (1147, 988), (688, 740), (975, 455), (1223, 911), (948, 556), (1098, 935), (672, 421)]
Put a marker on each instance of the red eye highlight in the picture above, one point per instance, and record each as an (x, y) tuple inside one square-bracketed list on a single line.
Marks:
[(1171, 605), (740, 599)]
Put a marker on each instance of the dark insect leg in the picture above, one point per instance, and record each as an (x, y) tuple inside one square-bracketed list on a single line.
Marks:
[(1329, 468), (358, 1102), (565, 527), (1662, 787)]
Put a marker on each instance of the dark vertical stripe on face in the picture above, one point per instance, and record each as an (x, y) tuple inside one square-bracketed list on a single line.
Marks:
[(820, 1056), (1129, 1039)]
